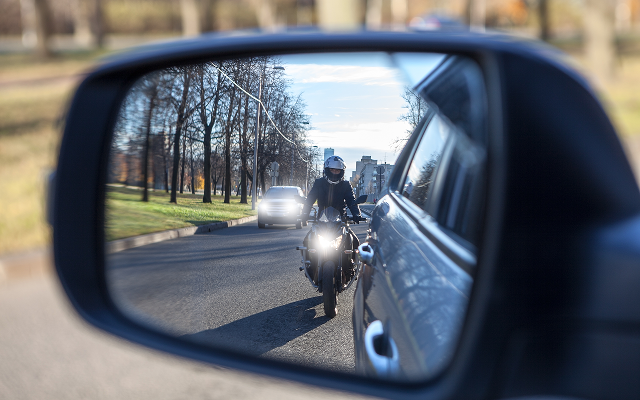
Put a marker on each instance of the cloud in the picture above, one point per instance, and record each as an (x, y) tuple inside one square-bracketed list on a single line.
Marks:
[(317, 73)]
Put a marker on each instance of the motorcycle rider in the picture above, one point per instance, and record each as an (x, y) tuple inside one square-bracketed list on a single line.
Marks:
[(333, 191)]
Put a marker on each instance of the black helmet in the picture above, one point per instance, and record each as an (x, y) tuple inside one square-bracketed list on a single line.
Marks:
[(334, 162)]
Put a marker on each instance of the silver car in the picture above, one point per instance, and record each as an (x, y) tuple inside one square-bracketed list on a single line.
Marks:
[(279, 206)]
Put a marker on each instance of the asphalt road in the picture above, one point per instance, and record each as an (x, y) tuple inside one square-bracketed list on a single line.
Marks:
[(239, 288), (48, 352)]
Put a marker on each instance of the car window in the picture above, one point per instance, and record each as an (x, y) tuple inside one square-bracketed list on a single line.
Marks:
[(421, 172), (285, 193), (462, 190)]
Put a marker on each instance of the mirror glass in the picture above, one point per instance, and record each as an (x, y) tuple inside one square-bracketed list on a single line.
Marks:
[(208, 239)]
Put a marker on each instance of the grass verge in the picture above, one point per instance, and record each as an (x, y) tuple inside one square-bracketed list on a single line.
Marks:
[(29, 138), (126, 215)]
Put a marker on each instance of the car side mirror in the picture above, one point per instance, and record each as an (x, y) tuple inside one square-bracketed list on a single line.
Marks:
[(527, 133), (300, 199)]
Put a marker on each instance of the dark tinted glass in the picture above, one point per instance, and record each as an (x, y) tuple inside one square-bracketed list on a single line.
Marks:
[(422, 169), (287, 193), (462, 193)]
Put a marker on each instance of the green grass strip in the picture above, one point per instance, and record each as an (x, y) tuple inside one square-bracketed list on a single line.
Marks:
[(127, 215)]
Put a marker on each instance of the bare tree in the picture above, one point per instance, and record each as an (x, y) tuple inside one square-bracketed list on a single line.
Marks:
[(36, 26), (190, 18), (180, 113), (339, 14), (88, 29), (416, 108), (180, 120), (151, 88), (228, 130), (543, 15), (599, 34), (208, 119), (265, 13)]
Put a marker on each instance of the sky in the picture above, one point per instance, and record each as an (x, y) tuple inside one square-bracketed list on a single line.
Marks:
[(354, 100)]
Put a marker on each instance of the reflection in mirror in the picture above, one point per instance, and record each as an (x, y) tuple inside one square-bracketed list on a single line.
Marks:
[(254, 141)]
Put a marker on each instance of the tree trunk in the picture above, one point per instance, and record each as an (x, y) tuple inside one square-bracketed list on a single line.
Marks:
[(227, 149), (339, 14), (477, 15), (265, 14), (543, 15), (243, 152), (147, 145), (207, 7), (88, 29), (399, 12), (190, 18), (184, 147), (208, 127), (193, 178), (176, 141), (206, 197), (36, 26), (599, 34)]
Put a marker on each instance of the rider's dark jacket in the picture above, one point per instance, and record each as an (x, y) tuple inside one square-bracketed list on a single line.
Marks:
[(339, 196)]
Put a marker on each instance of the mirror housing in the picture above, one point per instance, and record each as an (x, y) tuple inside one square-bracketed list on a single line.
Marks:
[(557, 179)]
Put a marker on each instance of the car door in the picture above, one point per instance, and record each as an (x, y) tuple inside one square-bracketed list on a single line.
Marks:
[(422, 238)]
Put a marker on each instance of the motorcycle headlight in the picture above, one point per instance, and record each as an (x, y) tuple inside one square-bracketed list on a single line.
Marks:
[(322, 242), (337, 242), (334, 244)]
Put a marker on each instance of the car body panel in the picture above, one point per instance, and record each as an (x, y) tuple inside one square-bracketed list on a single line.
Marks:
[(416, 287)]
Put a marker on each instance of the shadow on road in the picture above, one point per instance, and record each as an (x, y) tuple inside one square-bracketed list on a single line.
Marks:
[(252, 229), (265, 331)]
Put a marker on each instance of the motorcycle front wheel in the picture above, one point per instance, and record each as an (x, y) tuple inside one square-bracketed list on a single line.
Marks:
[(329, 293)]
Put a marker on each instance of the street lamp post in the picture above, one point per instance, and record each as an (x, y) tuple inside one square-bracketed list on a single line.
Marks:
[(293, 148), (255, 138), (306, 183)]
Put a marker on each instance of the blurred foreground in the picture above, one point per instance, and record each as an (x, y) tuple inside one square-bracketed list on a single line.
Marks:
[(47, 352)]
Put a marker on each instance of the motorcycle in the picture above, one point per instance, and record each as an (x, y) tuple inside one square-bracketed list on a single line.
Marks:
[(328, 256)]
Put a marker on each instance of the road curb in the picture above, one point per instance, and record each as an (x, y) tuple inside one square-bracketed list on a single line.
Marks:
[(143, 240), (39, 262)]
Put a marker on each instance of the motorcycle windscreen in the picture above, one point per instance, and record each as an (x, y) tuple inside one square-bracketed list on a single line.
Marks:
[(329, 214)]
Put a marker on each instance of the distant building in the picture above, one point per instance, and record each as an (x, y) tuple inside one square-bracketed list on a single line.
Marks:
[(369, 177), (327, 153)]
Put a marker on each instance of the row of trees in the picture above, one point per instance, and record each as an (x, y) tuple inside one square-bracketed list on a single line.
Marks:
[(194, 126), (600, 18)]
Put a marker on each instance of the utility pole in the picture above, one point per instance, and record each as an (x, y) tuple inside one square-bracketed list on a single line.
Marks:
[(293, 148), (254, 192), (381, 171), (255, 138)]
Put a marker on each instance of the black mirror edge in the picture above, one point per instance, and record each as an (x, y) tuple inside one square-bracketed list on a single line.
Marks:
[(482, 357)]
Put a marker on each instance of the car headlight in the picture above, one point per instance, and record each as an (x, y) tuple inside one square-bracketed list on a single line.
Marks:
[(294, 208)]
